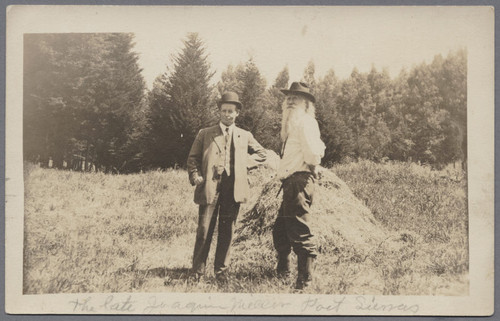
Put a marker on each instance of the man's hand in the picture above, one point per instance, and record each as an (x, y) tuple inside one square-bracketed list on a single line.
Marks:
[(198, 180), (316, 170)]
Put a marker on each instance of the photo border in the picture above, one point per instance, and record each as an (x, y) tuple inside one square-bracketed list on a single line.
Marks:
[(141, 317)]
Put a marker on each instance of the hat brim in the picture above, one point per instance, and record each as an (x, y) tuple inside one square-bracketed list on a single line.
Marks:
[(301, 93), (237, 103)]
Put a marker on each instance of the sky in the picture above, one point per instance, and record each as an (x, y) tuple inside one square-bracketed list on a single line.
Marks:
[(338, 38)]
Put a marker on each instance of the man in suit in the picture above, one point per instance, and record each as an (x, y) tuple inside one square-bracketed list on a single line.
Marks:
[(301, 155), (217, 166)]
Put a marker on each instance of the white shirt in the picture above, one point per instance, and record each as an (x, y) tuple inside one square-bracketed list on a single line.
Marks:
[(227, 153), (303, 147), (223, 127)]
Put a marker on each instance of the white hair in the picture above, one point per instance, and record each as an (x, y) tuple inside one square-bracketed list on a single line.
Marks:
[(293, 117)]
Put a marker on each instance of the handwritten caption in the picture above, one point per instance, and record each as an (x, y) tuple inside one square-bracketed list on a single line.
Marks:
[(127, 304), (311, 305)]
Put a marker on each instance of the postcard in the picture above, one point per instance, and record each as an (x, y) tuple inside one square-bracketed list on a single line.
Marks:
[(250, 160)]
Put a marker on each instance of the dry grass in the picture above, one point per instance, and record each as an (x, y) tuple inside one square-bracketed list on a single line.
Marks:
[(335, 209), (116, 233)]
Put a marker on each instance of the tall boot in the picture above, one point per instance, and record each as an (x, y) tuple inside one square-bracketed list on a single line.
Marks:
[(283, 268), (304, 274)]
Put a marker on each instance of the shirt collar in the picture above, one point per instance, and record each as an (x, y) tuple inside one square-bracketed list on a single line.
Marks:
[(223, 127)]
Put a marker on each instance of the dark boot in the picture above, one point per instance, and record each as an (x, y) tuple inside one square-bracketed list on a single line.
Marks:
[(304, 273), (192, 278), (283, 268), (221, 278)]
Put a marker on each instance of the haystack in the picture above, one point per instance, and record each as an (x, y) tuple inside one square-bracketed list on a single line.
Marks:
[(340, 220)]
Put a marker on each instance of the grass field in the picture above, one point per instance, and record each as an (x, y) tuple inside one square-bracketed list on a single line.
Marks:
[(92, 232)]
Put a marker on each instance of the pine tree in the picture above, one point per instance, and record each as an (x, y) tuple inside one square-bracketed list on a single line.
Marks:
[(309, 75), (282, 80), (269, 130), (120, 92), (249, 84), (80, 93), (252, 87), (230, 79), (181, 103)]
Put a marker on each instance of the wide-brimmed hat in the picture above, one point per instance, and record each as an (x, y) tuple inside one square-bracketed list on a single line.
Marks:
[(299, 88), (230, 97)]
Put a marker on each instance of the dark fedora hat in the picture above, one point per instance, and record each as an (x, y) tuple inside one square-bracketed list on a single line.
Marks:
[(230, 97), (299, 88)]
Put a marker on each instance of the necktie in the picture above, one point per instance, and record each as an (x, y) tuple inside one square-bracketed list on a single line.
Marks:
[(227, 151)]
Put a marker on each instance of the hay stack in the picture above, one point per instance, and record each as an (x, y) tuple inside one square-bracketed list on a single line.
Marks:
[(340, 219)]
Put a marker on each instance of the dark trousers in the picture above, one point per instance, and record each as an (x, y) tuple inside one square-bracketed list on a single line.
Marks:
[(226, 210), (292, 227)]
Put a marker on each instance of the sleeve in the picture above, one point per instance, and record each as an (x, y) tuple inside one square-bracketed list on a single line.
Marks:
[(195, 158), (258, 154), (311, 143)]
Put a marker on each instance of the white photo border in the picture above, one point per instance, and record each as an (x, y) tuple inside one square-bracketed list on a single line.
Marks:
[(25, 19)]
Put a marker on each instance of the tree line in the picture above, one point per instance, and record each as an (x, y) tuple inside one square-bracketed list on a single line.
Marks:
[(86, 106)]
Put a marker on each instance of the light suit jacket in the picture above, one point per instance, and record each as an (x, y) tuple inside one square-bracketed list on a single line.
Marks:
[(207, 153)]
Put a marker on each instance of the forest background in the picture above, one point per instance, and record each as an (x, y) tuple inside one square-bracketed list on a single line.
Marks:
[(86, 106)]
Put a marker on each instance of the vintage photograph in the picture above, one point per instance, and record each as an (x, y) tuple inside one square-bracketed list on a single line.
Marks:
[(313, 159)]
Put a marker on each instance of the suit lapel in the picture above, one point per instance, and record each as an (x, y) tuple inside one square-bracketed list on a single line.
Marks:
[(217, 137), (236, 136)]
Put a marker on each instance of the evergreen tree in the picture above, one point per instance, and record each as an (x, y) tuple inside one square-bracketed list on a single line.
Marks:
[(253, 87), (230, 79), (181, 103), (269, 131), (80, 93), (249, 84), (282, 80), (309, 75), (119, 93), (47, 118)]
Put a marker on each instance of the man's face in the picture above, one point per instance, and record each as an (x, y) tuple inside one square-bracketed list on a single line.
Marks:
[(295, 102), (228, 114)]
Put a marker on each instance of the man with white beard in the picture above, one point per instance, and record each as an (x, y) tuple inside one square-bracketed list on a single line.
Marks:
[(301, 155)]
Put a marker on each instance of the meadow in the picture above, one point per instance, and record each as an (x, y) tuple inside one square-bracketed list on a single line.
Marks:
[(96, 232)]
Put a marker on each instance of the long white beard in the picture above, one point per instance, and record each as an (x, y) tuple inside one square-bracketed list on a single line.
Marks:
[(291, 120)]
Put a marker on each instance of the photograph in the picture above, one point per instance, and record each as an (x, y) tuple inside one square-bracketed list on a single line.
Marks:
[(250, 160)]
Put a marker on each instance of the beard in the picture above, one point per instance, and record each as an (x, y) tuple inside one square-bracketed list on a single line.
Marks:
[(292, 117)]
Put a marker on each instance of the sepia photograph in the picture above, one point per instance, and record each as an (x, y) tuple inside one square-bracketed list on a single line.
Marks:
[(299, 160)]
